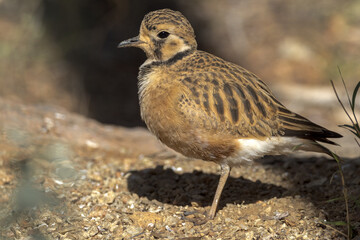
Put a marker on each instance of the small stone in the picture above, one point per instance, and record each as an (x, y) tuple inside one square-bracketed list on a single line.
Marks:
[(67, 229), (267, 211), (188, 226), (172, 221), (256, 221), (126, 199), (48, 123), (271, 222), (91, 144), (51, 229), (280, 215), (112, 183), (109, 217), (109, 197), (93, 230), (95, 176), (58, 219), (252, 218), (113, 227), (117, 232), (290, 221), (143, 219), (133, 230), (98, 211), (249, 235), (243, 227), (16, 232), (95, 194), (5, 178)]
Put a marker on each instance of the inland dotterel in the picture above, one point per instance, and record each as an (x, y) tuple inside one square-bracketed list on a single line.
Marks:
[(207, 108)]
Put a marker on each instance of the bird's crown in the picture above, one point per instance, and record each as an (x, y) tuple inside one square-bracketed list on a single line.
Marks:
[(163, 34)]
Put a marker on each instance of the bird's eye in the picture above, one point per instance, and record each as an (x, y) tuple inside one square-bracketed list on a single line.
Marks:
[(163, 34)]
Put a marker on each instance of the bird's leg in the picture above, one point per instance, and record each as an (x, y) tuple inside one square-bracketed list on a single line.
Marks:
[(225, 171)]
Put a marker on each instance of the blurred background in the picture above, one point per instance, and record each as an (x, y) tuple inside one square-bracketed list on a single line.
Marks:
[(64, 53)]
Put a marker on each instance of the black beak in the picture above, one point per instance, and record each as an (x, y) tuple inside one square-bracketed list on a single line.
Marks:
[(132, 42)]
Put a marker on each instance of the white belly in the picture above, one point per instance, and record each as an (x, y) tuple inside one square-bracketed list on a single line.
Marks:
[(251, 149)]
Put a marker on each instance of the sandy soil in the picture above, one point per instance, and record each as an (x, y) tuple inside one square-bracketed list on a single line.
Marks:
[(63, 176)]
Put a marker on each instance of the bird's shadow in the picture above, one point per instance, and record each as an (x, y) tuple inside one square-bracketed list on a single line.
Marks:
[(167, 186), (313, 178)]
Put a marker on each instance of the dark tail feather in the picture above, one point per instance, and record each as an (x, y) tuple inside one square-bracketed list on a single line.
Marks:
[(298, 126), (320, 136)]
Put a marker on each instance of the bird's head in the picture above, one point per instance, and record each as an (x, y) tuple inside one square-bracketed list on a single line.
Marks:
[(163, 34)]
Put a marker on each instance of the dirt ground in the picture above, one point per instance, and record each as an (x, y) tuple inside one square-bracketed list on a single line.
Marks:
[(63, 176)]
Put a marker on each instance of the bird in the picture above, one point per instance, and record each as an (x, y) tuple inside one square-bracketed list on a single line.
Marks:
[(207, 108)]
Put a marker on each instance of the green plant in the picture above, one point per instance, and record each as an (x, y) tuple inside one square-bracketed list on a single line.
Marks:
[(354, 129)]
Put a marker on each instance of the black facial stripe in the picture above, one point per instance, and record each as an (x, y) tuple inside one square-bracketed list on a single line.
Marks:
[(178, 57)]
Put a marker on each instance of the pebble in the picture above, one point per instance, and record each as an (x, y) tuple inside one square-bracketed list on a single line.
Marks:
[(133, 230), (108, 197), (93, 231), (91, 144), (95, 176), (113, 227), (171, 221), (5, 178)]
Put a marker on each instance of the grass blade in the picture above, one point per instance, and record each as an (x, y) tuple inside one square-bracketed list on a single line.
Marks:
[(347, 126), (328, 225), (357, 142), (349, 129), (354, 96), (345, 193), (342, 105), (337, 223), (334, 200), (343, 81)]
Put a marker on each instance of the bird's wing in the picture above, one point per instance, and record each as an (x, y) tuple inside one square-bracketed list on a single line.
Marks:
[(227, 103), (229, 100)]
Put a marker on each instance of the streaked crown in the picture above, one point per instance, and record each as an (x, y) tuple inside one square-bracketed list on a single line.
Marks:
[(170, 18), (163, 34)]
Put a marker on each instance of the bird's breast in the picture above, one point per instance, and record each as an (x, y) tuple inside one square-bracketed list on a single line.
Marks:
[(159, 95)]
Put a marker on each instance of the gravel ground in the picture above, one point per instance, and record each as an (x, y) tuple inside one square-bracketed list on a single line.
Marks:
[(63, 176)]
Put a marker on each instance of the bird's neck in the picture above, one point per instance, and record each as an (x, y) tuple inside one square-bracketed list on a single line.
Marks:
[(170, 61)]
